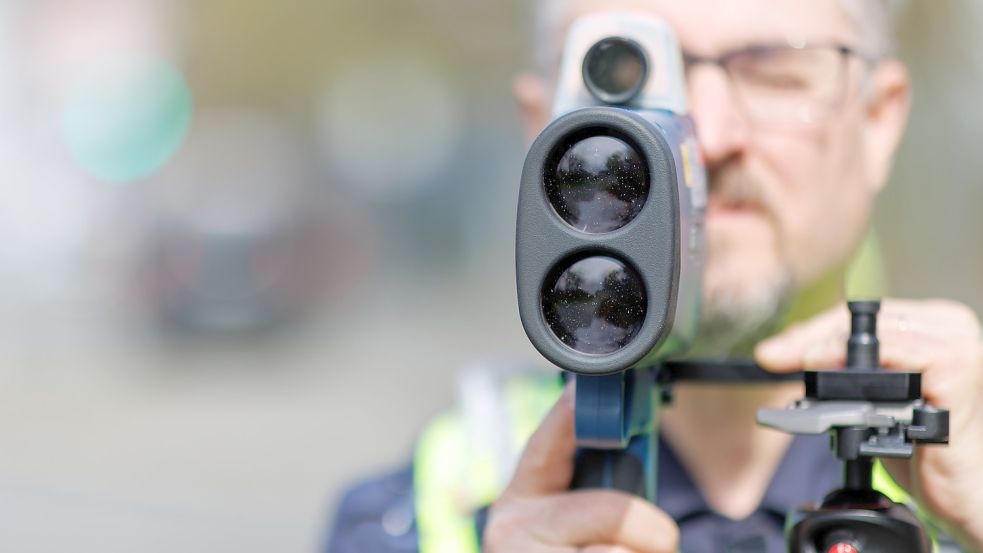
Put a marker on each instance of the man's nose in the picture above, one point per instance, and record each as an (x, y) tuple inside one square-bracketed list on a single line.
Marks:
[(721, 124)]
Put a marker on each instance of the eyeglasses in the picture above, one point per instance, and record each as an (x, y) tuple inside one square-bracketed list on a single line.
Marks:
[(786, 84)]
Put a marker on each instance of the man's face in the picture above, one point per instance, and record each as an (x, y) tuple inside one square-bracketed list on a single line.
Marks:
[(788, 202)]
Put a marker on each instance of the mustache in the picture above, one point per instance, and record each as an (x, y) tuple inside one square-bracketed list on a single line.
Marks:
[(732, 186)]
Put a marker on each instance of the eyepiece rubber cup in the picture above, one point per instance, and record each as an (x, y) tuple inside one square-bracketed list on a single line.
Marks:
[(615, 70)]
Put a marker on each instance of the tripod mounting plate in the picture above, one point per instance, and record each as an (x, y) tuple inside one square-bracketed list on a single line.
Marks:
[(863, 385), (816, 417)]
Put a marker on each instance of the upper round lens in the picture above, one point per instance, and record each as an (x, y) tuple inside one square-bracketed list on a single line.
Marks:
[(596, 305), (615, 70), (598, 184)]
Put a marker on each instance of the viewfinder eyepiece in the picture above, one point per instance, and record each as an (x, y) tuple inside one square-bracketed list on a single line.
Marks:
[(594, 305), (615, 70)]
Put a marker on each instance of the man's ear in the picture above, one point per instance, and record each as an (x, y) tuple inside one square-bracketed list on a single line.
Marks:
[(532, 96), (887, 116)]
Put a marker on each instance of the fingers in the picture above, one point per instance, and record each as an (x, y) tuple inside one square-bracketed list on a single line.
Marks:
[(905, 327), (604, 549), (816, 337), (590, 517), (538, 512), (899, 350), (909, 350), (546, 465), (942, 318)]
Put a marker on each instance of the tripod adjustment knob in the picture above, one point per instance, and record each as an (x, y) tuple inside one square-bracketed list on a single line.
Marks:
[(863, 347), (929, 425)]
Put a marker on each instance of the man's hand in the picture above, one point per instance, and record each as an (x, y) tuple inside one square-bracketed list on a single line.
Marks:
[(538, 514), (943, 340)]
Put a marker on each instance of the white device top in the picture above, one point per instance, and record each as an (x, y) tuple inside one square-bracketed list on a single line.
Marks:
[(665, 80)]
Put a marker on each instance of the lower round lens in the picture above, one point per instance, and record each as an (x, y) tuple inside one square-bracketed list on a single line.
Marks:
[(599, 184), (596, 305)]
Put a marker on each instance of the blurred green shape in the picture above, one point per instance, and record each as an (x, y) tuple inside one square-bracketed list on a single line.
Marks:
[(866, 278), (125, 120)]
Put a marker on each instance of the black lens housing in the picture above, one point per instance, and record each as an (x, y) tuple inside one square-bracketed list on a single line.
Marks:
[(650, 244), (615, 70)]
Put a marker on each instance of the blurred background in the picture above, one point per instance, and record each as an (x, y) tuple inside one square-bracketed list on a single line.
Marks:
[(246, 245)]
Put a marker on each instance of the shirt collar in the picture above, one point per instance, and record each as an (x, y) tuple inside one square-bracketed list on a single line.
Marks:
[(806, 473)]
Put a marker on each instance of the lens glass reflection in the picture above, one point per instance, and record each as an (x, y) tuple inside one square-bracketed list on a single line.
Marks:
[(596, 305), (598, 184), (615, 70)]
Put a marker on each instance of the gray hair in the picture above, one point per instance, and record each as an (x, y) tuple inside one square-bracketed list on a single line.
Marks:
[(873, 20)]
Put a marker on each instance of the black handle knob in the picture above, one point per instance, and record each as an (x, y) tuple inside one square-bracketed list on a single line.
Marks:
[(863, 347)]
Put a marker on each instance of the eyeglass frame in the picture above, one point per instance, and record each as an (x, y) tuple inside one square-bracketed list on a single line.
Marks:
[(722, 61)]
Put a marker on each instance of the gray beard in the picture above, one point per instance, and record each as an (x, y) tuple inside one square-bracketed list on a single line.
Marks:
[(732, 321), (735, 314)]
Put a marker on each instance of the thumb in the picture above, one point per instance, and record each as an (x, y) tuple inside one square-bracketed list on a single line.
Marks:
[(546, 465)]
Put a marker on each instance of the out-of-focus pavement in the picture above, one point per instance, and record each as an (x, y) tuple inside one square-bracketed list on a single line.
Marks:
[(242, 449)]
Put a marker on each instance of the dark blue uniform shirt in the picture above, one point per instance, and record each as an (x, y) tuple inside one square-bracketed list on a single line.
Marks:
[(377, 516)]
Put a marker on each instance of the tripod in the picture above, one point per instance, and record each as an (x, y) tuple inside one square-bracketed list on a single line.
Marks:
[(868, 413)]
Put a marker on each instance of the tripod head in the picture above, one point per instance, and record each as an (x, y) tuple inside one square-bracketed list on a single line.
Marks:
[(869, 413)]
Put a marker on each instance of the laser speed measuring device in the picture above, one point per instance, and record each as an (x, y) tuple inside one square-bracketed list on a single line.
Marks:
[(609, 236)]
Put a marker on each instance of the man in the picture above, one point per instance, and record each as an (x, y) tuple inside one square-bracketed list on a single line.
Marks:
[(799, 109)]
